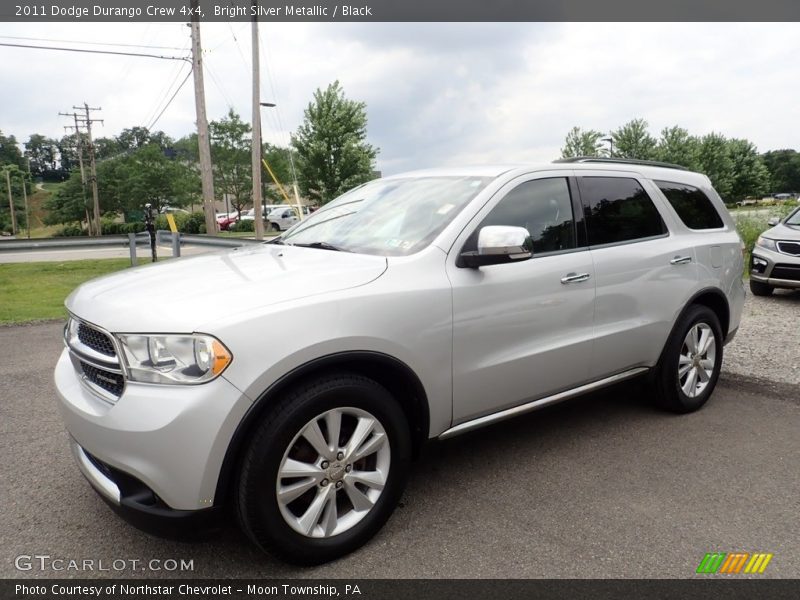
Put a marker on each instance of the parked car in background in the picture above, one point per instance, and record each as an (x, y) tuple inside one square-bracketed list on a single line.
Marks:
[(423, 305), (226, 220), (775, 260), (282, 218)]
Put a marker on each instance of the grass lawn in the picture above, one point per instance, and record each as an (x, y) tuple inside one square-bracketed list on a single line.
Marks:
[(36, 291)]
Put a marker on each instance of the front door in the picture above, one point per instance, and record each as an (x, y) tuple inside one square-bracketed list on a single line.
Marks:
[(523, 330)]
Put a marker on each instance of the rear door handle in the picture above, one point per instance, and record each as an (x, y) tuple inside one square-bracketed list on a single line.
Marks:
[(574, 277), (681, 260)]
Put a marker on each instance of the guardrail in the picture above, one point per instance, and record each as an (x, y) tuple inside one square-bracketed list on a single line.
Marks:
[(131, 240)]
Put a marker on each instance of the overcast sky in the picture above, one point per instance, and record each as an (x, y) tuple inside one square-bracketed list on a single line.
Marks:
[(436, 94)]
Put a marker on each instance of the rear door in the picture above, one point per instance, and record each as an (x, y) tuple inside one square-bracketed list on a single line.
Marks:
[(643, 272), (523, 330)]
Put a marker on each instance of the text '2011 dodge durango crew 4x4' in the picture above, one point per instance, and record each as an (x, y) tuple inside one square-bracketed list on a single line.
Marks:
[(416, 306)]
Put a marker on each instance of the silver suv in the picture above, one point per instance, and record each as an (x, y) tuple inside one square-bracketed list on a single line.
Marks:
[(775, 260), (418, 306)]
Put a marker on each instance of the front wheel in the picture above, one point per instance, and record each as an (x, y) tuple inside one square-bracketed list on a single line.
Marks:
[(690, 364), (275, 227), (324, 470)]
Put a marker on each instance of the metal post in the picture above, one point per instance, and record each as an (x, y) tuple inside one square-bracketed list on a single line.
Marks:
[(151, 230), (132, 248), (176, 244)]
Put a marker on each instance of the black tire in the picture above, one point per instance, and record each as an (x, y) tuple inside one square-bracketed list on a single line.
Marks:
[(275, 227), (258, 509), (760, 289), (668, 391)]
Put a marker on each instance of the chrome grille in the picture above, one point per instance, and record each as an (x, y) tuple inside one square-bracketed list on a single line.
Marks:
[(111, 382), (94, 356), (96, 340)]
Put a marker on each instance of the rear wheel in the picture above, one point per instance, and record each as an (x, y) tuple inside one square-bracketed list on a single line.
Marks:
[(760, 289), (690, 364), (324, 470)]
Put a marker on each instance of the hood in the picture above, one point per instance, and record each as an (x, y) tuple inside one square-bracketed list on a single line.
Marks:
[(177, 296), (783, 232)]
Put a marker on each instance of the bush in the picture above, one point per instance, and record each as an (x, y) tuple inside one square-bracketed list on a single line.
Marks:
[(71, 231), (193, 223), (249, 225), (122, 228)]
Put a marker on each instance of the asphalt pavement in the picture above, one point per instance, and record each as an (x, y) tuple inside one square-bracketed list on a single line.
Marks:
[(601, 486)]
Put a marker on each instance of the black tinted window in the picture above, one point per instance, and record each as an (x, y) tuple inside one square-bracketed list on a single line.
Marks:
[(618, 210), (692, 205), (543, 207)]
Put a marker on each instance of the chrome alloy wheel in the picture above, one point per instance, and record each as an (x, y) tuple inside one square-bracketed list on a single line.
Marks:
[(333, 472), (697, 360)]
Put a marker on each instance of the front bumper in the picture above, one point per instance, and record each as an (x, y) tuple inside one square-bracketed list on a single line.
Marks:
[(775, 268), (170, 440)]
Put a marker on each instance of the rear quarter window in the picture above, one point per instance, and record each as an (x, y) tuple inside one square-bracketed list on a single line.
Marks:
[(694, 208), (618, 210)]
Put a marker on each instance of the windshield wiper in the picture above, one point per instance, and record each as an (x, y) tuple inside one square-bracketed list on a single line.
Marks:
[(322, 245)]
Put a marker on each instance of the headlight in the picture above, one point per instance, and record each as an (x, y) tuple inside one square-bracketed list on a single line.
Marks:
[(766, 243), (177, 359)]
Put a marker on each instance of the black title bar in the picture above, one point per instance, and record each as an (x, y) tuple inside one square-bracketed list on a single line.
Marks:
[(399, 10)]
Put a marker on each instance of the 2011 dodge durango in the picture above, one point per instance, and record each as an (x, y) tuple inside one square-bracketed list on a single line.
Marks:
[(292, 382)]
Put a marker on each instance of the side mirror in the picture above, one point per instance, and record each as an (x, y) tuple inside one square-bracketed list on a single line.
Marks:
[(773, 221), (499, 244)]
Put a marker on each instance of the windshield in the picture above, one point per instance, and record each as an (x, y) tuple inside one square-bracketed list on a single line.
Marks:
[(794, 218), (389, 217)]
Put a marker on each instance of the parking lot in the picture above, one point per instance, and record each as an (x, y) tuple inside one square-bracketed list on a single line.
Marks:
[(602, 486)]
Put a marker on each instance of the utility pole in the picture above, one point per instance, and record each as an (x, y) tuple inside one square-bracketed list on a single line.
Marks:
[(11, 203), (258, 209), (79, 148), (203, 142), (27, 212), (87, 121)]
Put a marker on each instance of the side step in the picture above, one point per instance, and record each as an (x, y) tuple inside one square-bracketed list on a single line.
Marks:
[(541, 402)]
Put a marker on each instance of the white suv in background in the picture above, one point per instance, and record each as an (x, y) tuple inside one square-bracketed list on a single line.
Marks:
[(418, 306)]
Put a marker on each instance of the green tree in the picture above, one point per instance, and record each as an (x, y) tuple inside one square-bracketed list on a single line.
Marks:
[(581, 142), (750, 176), (716, 163), (280, 162), (784, 170), (42, 154), (632, 140), (333, 155), (68, 204), (10, 153), (230, 158), (676, 146)]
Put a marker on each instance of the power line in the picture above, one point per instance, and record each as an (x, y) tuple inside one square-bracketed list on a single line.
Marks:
[(153, 124), (186, 58), (118, 44), (163, 97)]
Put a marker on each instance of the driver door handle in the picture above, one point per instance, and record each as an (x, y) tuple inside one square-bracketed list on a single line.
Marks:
[(574, 278), (681, 260)]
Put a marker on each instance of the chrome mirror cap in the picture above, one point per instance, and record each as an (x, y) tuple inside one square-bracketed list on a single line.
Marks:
[(502, 240), (773, 221)]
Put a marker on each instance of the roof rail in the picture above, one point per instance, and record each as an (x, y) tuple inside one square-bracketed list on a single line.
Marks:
[(623, 161)]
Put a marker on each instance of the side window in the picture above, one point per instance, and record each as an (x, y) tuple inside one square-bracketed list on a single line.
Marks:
[(692, 205), (543, 207), (618, 210)]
